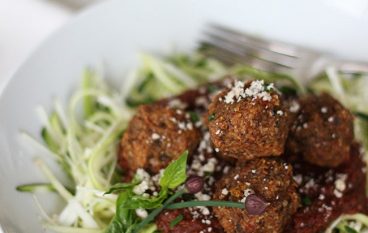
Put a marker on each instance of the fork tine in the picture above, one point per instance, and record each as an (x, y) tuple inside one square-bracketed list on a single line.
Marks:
[(251, 52), (270, 45), (233, 46), (229, 57), (251, 45)]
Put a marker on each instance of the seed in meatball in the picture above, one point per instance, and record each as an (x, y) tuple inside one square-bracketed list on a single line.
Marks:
[(155, 136), (248, 120), (267, 180), (322, 132)]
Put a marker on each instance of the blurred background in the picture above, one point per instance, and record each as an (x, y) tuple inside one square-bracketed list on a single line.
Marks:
[(26, 23)]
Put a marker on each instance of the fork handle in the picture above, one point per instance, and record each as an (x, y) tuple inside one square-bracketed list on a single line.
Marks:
[(351, 67)]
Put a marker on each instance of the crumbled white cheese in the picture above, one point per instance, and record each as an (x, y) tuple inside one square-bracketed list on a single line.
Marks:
[(196, 164), (236, 177), (280, 113), (210, 165), (182, 125), (202, 197), (224, 191), (337, 193), (324, 110), (177, 103), (147, 182), (142, 213), (256, 90), (204, 210), (141, 188), (142, 174), (298, 179), (309, 184), (294, 106), (247, 192), (340, 185), (201, 101), (155, 136)]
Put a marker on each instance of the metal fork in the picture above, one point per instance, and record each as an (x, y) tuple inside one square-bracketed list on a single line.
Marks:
[(231, 46)]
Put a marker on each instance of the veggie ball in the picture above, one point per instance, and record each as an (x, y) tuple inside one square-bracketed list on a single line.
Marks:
[(322, 132), (155, 136), (248, 120), (268, 191)]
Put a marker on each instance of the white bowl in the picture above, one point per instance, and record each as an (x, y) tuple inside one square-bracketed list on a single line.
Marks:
[(114, 32)]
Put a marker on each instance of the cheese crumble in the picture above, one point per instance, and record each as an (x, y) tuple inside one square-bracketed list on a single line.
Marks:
[(256, 90)]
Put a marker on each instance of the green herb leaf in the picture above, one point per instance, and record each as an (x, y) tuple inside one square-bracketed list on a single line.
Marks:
[(175, 174), (306, 200), (212, 88), (350, 230), (194, 116), (361, 115), (157, 211), (176, 220), (211, 117), (121, 187), (287, 90), (137, 201), (125, 219)]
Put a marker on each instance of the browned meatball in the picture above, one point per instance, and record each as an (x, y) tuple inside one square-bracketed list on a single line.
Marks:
[(269, 179), (327, 193), (322, 131), (155, 136), (248, 120), (191, 222)]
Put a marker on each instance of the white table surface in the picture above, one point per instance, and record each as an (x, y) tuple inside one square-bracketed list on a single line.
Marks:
[(24, 24)]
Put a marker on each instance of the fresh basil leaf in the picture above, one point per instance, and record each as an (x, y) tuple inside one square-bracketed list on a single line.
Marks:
[(350, 230), (122, 187), (176, 221), (137, 201), (125, 219), (175, 174)]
